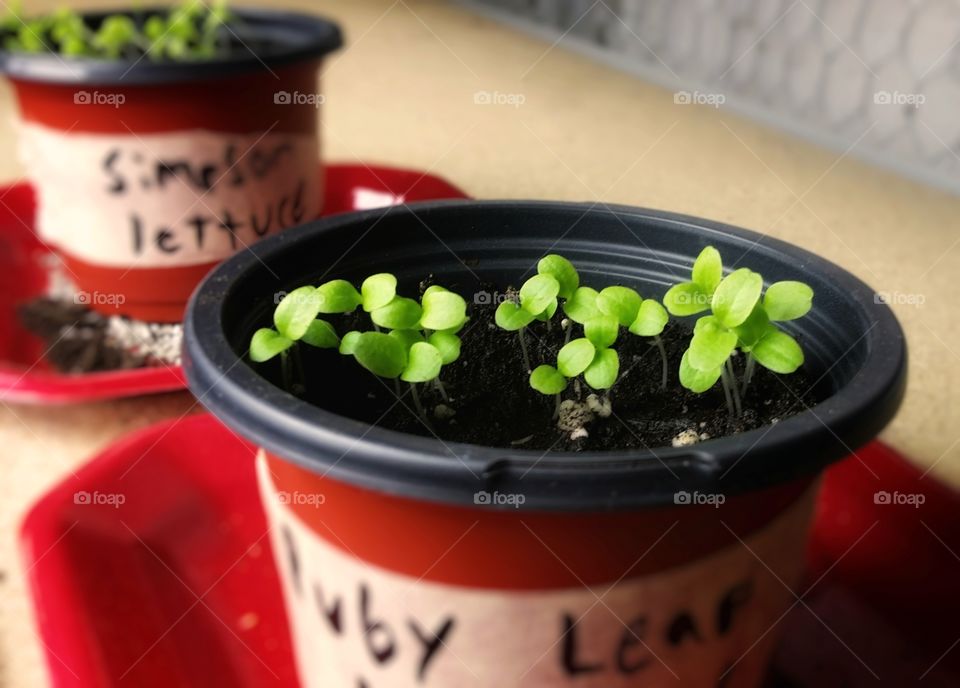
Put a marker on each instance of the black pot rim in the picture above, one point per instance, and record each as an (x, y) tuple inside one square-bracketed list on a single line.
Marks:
[(796, 448), (295, 37)]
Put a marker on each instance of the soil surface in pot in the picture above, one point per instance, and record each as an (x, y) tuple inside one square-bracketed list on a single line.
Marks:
[(77, 339), (491, 403)]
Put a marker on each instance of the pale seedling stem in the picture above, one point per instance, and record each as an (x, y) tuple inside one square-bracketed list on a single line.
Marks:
[(300, 386), (419, 406), (440, 388), (748, 372), (285, 370), (663, 359), (733, 388), (725, 381), (523, 348)]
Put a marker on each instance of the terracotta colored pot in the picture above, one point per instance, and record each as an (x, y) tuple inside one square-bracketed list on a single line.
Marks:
[(407, 561), (149, 173)]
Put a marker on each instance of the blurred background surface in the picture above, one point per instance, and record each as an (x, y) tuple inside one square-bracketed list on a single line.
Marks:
[(881, 74)]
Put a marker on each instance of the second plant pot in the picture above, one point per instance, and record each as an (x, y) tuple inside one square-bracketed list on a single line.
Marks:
[(409, 561), (149, 172)]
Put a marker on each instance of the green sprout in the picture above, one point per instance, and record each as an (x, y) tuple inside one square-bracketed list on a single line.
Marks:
[(600, 314), (742, 317), (191, 30), (538, 298), (411, 341), (603, 313), (295, 320)]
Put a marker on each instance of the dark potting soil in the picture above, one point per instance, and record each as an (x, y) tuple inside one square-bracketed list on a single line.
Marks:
[(79, 340), (491, 403)]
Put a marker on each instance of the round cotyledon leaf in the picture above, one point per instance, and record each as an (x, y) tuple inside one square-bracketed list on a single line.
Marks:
[(447, 344), (400, 314), (622, 303), (602, 372), (651, 319), (338, 296), (321, 334), (575, 357), (695, 380), (685, 299), (267, 343), (443, 310), (378, 290), (547, 380), (511, 317), (538, 293), (778, 352), (582, 306), (602, 331), (380, 353), (563, 271), (708, 270), (787, 300), (423, 363), (736, 295), (296, 311)]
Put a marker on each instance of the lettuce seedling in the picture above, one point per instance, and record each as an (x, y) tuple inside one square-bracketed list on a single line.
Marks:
[(420, 338), (549, 381), (189, 31), (537, 299), (602, 314), (295, 319), (739, 320), (589, 356), (395, 356), (651, 319)]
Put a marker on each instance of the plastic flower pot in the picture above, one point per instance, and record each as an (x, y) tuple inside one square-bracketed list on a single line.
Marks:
[(150, 172), (407, 561)]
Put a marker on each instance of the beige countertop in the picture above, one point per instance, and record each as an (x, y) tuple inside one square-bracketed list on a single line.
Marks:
[(403, 93)]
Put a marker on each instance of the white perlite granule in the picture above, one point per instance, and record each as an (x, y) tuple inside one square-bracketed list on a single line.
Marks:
[(685, 439), (153, 342)]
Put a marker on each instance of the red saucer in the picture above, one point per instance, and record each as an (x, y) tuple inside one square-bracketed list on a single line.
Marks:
[(26, 378), (176, 585)]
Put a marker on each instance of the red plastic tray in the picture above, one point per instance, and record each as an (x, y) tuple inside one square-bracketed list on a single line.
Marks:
[(176, 585), (24, 375)]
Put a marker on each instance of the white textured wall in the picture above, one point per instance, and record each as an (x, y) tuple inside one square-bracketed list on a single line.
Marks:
[(883, 75)]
